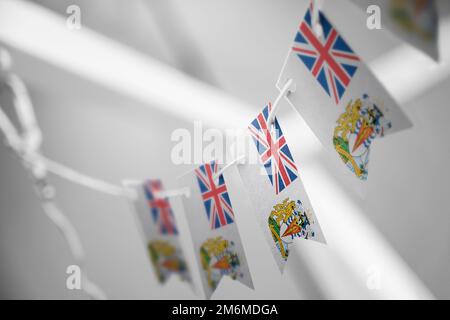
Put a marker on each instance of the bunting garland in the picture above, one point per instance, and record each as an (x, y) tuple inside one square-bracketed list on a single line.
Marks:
[(344, 105)]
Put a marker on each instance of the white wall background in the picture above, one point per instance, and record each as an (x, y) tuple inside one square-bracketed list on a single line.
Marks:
[(238, 47)]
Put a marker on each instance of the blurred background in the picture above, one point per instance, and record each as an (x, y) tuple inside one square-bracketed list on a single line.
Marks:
[(109, 96)]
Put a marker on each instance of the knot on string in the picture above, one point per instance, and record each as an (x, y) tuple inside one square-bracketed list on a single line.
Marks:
[(45, 190), (26, 146)]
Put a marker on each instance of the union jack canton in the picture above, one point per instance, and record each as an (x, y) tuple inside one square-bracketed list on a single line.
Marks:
[(329, 58), (274, 151), (160, 209), (215, 196)]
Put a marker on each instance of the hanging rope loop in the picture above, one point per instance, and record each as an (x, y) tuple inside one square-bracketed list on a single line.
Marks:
[(26, 146)]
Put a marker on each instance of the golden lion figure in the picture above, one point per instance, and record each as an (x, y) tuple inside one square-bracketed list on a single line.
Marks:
[(356, 128), (347, 121), (215, 246), (218, 258), (283, 211), (163, 248)]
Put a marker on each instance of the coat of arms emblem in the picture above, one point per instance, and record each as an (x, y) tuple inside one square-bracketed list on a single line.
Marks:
[(289, 220), (356, 128), (218, 258), (166, 259)]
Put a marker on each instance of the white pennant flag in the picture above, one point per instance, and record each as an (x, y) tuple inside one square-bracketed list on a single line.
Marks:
[(414, 21), (338, 97), (217, 243), (275, 189), (160, 232)]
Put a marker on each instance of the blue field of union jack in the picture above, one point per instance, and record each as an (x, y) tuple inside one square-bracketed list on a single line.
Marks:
[(160, 209), (215, 196), (329, 58), (274, 151)]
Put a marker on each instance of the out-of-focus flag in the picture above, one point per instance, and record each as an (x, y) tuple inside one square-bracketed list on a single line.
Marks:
[(338, 97), (217, 244), (157, 222), (414, 21), (275, 189)]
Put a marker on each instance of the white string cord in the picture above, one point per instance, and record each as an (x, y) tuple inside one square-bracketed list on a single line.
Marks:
[(76, 248), (30, 158), (47, 193), (32, 134), (221, 171), (86, 181), (26, 147), (12, 138), (185, 192), (317, 27), (288, 88)]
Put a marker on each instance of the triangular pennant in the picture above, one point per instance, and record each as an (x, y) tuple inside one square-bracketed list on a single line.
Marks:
[(159, 228), (217, 243), (338, 97), (277, 193)]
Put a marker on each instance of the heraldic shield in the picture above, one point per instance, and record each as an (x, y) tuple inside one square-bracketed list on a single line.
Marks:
[(166, 259), (357, 127), (218, 258), (287, 221)]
